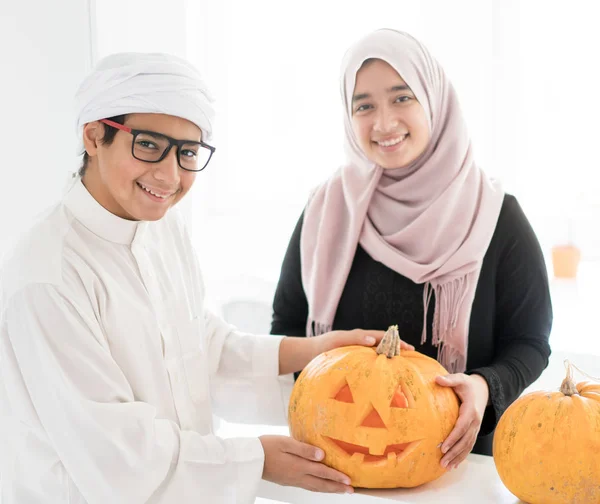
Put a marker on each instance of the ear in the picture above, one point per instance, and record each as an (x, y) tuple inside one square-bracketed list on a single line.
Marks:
[(93, 132)]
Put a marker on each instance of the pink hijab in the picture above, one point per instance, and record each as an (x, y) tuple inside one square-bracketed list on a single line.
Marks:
[(431, 221)]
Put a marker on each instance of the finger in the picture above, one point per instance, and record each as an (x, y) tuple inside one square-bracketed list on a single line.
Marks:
[(323, 485), (378, 335), (303, 450), (453, 464), (365, 337), (459, 451), (324, 472), (451, 380), (460, 429), (462, 446), (405, 346), (369, 335)]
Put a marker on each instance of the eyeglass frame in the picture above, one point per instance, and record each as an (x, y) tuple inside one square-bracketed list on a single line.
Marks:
[(172, 142)]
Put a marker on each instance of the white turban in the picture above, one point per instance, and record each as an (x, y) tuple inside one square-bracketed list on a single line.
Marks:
[(128, 83)]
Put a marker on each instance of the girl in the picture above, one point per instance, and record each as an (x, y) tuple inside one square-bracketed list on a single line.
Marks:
[(411, 231)]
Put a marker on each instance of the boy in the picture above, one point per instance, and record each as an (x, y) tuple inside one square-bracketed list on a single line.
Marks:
[(111, 366)]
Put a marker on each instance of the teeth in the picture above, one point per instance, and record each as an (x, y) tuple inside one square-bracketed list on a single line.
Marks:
[(392, 459), (148, 190), (357, 458), (395, 141)]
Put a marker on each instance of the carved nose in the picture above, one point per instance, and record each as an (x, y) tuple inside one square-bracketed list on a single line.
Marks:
[(373, 419)]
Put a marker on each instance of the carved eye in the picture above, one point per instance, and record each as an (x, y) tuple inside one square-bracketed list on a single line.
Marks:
[(402, 398), (399, 400), (344, 395)]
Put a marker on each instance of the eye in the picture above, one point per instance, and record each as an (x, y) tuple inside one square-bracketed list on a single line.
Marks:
[(402, 398), (403, 99), (189, 153), (146, 144), (363, 108), (399, 400), (344, 394)]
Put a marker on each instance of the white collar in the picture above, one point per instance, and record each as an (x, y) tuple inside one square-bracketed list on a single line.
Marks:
[(98, 219)]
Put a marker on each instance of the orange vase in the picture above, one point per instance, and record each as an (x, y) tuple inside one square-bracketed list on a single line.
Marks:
[(565, 261)]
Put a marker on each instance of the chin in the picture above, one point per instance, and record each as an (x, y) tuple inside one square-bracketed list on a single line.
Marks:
[(141, 214), (387, 165), (153, 216)]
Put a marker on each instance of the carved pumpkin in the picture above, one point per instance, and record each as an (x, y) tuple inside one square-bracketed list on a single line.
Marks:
[(547, 445), (379, 416)]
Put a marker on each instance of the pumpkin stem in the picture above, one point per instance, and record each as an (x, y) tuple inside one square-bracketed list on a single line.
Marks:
[(582, 372), (390, 344), (568, 385)]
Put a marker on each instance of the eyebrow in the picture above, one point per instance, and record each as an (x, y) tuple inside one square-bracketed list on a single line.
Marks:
[(393, 89), (158, 133)]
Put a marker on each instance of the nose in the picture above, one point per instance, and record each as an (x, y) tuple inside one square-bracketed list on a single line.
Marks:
[(385, 120), (167, 170), (373, 419)]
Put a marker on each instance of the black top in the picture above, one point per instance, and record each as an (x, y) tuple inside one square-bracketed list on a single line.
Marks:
[(510, 321)]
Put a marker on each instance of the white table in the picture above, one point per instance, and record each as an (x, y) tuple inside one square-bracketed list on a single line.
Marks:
[(475, 481)]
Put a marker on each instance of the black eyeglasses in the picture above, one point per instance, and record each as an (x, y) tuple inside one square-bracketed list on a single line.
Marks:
[(152, 147)]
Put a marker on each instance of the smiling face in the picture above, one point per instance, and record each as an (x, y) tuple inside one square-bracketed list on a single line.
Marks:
[(372, 420), (130, 188), (390, 125), (378, 419)]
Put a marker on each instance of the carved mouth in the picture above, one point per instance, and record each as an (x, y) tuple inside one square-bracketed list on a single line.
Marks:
[(362, 453)]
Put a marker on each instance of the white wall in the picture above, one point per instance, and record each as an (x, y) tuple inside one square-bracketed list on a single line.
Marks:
[(274, 67), (46, 48), (140, 26), (526, 75), (43, 59)]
